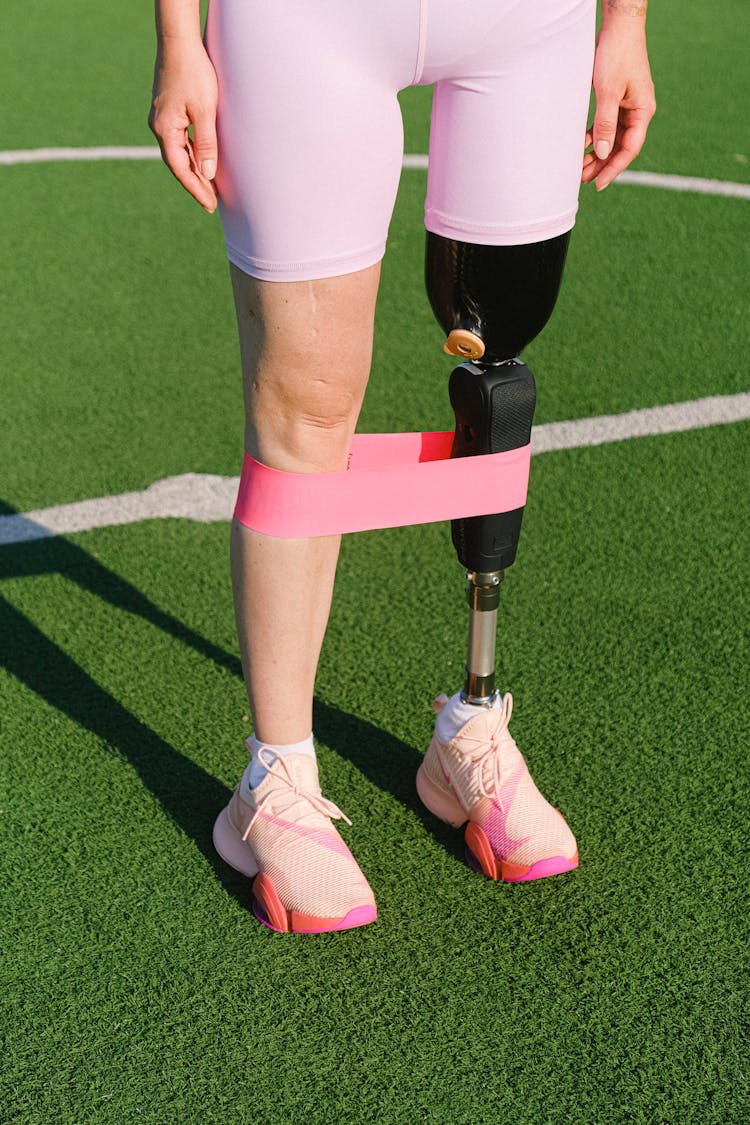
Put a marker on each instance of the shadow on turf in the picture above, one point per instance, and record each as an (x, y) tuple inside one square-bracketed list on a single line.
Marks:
[(189, 795)]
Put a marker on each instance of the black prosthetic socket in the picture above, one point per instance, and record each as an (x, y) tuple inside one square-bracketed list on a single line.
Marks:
[(492, 301), (503, 294), (494, 408)]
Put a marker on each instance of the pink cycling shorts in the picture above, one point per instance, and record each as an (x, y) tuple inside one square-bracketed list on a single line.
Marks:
[(311, 137)]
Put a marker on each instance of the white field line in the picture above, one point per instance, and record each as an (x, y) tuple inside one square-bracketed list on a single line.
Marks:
[(696, 414), (411, 160), (207, 498), (685, 183), (56, 155)]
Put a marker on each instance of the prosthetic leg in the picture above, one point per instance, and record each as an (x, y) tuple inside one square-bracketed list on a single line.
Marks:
[(491, 301)]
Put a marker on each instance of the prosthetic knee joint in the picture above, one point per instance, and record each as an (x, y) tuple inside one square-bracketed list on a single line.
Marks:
[(491, 301)]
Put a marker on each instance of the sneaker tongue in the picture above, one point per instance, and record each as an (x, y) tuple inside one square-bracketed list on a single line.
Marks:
[(304, 771), (482, 725), (484, 728)]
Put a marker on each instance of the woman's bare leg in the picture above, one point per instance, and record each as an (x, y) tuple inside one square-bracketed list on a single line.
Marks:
[(306, 351)]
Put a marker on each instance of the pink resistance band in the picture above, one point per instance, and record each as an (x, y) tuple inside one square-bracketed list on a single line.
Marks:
[(393, 480)]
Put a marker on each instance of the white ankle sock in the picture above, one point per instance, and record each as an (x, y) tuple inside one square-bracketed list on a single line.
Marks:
[(456, 715), (256, 771)]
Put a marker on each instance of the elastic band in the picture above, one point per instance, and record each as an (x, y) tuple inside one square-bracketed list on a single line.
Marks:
[(393, 480)]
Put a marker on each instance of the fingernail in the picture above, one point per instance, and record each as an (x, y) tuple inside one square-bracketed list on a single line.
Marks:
[(601, 187), (208, 168), (602, 149)]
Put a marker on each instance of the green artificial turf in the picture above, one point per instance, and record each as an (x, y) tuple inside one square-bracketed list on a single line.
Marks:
[(138, 986), (135, 985)]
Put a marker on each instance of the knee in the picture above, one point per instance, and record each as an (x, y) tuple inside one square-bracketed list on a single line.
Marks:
[(300, 417), (319, 401)]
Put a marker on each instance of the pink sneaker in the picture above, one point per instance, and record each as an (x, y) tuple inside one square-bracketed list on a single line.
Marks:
[(480, 776), (306, 879)]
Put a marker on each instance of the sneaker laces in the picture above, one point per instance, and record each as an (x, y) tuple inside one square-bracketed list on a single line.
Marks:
[(487, 757), (292, 794)]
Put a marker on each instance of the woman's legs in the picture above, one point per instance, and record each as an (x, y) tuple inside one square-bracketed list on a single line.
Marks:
[(306, 349)]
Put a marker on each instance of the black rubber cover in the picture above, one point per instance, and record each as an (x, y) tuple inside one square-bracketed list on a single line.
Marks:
[(494, 408), (504, 294)]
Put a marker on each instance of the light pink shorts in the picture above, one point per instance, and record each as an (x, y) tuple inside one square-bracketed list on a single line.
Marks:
[(311, 138)]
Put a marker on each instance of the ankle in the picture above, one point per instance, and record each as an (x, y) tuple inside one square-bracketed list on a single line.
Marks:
[(259, 763)]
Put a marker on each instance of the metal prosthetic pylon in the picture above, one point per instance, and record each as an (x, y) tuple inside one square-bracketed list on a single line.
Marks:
[(483, 596)]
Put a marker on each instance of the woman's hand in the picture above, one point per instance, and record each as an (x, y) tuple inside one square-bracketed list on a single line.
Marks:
[(185, 94), (624, 93)]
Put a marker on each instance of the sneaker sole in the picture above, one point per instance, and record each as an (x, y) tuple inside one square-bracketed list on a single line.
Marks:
[(271, 912), (479, 855), (266, 905)]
